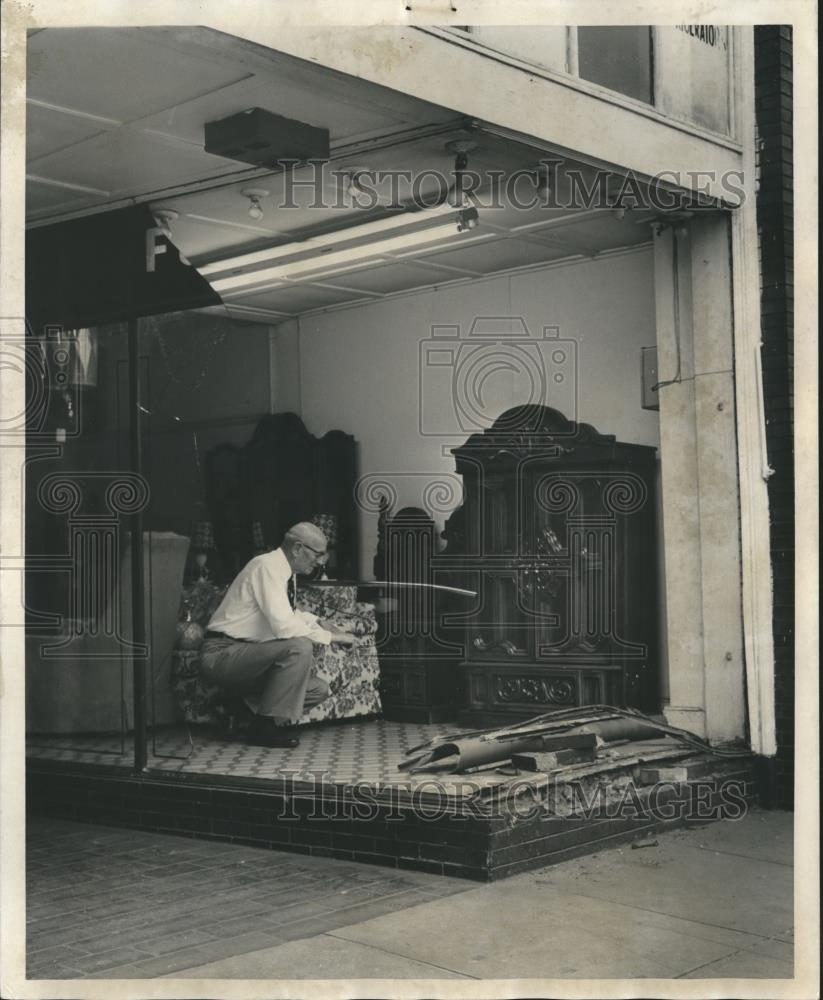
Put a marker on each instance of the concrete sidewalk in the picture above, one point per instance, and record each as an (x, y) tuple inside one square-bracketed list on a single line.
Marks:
[(109, 903), (713, 902)]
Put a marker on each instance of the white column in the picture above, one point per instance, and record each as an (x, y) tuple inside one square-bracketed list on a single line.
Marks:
[(679, 480), (717, 488), (701, 503)]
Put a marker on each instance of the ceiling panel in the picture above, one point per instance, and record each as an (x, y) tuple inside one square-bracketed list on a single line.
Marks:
[(325, 110), (125, 162), (496, 212), (605, 231), (497, 255), (47, 198), (48, 130), (118, 74), (296, 298), (387, 278), (261, 61)]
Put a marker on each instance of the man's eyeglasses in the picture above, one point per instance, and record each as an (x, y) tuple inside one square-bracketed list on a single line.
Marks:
[(319, 553)]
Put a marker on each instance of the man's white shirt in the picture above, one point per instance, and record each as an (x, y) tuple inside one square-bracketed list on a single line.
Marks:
[(256, 606)]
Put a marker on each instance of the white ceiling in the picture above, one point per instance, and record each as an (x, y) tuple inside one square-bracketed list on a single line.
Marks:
[(117, 116)]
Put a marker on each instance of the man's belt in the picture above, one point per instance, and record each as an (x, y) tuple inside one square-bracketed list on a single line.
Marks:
[(211, 634)]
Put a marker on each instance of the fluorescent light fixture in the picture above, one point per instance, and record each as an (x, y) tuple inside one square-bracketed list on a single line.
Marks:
[(340, 260), (313, 243)]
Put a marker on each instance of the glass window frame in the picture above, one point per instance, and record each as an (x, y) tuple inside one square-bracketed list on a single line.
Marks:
[(571, 75)]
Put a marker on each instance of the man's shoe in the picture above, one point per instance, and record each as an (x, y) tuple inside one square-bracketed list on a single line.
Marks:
[(229, 728), (233, 716), (264, 733)]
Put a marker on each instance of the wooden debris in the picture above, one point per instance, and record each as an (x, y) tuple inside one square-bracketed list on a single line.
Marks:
[(612, 730), (570, 741), (608, 725), (638, 844), (553, 760), (684, 771)]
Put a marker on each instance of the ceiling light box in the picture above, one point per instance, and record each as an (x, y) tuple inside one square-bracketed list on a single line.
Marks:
[(263, 138)]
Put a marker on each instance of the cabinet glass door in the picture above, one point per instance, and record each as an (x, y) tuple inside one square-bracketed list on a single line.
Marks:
[(580, 571), (501, 629), (547, 497)]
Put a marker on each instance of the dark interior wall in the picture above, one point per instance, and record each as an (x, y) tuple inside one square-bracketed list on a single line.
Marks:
[(206, 381), (773, 104)]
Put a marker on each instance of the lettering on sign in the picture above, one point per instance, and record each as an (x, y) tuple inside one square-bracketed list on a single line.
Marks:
[(709, 33), (692, 78)]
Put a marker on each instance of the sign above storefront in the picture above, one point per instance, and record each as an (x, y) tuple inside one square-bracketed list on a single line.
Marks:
[(692, 69), (691, 62)]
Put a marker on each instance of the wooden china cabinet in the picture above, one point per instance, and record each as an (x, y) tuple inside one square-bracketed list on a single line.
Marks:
[(419, 675), (557, 535)]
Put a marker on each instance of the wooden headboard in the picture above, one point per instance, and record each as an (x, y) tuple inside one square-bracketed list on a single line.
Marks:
[(281, 476)]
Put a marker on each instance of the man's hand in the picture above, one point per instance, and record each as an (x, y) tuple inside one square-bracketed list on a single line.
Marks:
[(343, 638)]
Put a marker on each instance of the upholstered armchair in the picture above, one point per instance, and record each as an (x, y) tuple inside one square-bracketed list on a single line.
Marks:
[(352, 673)]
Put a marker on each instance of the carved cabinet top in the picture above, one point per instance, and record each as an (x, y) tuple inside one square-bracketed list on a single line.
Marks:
[(529, 431)]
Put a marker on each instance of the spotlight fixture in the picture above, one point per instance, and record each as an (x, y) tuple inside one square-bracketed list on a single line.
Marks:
[(616, 192), (163, 218), (676, 221), (254, 195), (542, 177), (461, 149), (469, 218)]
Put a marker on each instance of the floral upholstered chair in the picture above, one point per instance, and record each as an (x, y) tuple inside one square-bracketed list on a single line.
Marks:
[(352, 673)]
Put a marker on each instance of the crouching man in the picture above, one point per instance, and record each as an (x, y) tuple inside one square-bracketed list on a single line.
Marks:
[(259, 646)]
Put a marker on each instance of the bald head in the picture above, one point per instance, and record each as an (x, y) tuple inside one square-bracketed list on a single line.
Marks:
[(307, 533)]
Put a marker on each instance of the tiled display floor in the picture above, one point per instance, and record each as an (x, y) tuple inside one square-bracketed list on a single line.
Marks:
[(149, 904), (341, 753)]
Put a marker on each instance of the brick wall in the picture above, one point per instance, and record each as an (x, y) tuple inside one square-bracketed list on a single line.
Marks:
[(479, 841), (773, 109)]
